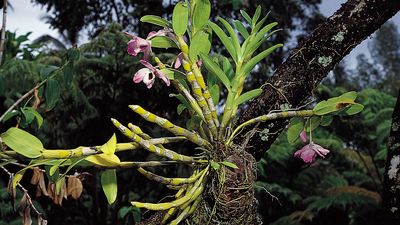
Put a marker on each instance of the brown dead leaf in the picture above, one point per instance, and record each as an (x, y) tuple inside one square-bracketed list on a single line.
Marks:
[(11, 190), (75, 187), (37, 173), (25, 210)]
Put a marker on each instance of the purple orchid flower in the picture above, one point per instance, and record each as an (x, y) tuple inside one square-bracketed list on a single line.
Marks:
[(137, 44), (148, 74), (309, 152)]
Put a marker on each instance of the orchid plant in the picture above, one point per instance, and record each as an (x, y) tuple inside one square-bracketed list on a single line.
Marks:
[(198, 77)]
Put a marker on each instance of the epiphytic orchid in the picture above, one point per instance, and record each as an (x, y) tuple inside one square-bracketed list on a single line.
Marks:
[(145, 73), (137, 44), (310, 151)]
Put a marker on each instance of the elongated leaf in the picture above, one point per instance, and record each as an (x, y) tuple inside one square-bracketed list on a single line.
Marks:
[(250, 49), (180, 108), (163, 42), (249, 96), (10, 115), (109, 185), (214, 69), (226, 41), (227, 67), (263, 31), (201, 13), (109, 147), (246, 17), (52, 93), (18, 177), (295, 128), (215, 93), (242, 30), (232, 33), (156, 20), (180, 18), (229, 164), (215, 165), (104, 160), (200, 43), (251, 63), (22, 142), (257, 27), (256, 15)]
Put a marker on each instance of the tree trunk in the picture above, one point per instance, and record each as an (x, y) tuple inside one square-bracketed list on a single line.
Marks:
[(310, 61), (391, 185)]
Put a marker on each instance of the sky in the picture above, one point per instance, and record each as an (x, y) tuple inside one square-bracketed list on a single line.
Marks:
[(26, 17)]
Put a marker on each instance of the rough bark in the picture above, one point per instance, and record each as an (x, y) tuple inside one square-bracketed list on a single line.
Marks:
[(310, 61), (391, 185)]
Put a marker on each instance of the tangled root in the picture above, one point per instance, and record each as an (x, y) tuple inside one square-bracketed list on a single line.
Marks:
[(229, 198)]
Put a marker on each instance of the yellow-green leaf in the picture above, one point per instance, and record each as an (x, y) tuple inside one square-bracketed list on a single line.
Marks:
[(109, 147), (295, 128), (229, 164), (249, 96), (109, 185), (104, 160), (201, 13), (22, 142), (156, 20), (180, 18)]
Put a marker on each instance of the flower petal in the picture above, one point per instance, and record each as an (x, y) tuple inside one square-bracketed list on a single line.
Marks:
[(140, 75)]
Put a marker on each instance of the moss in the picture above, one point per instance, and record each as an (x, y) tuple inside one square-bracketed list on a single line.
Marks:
[(339, 37), (325, 60)]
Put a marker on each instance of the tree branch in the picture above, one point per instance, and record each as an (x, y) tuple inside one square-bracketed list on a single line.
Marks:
[(312, 60)]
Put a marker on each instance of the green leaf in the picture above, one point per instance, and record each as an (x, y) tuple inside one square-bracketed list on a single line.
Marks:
[(232, 34), (109, 185), (200, 44), (227, 67), (68, 73), (22, 142), (180, 108), (55, 175), (263, 31), (256, 59), (182, 100), (201, 13), (326, 120), (229, 164), (257, 27), (242, 30), (248, 96), (109, 147), (163, 42), (156, 20), (350, 95), (337, 103), (256, 15), (295, 128), (18, 177), (180, 18), (354, 109), (52, 93), (215, 93), (215, 165), (104, 160), (246, 17), (212, 67), (226, 41), (313, 123), (73, 54), (45, 72), (10, 115), (30, 114)]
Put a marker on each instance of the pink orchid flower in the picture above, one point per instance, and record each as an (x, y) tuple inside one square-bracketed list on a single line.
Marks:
[(178, 61), (137, 44), (148, 74), (309, 152)]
